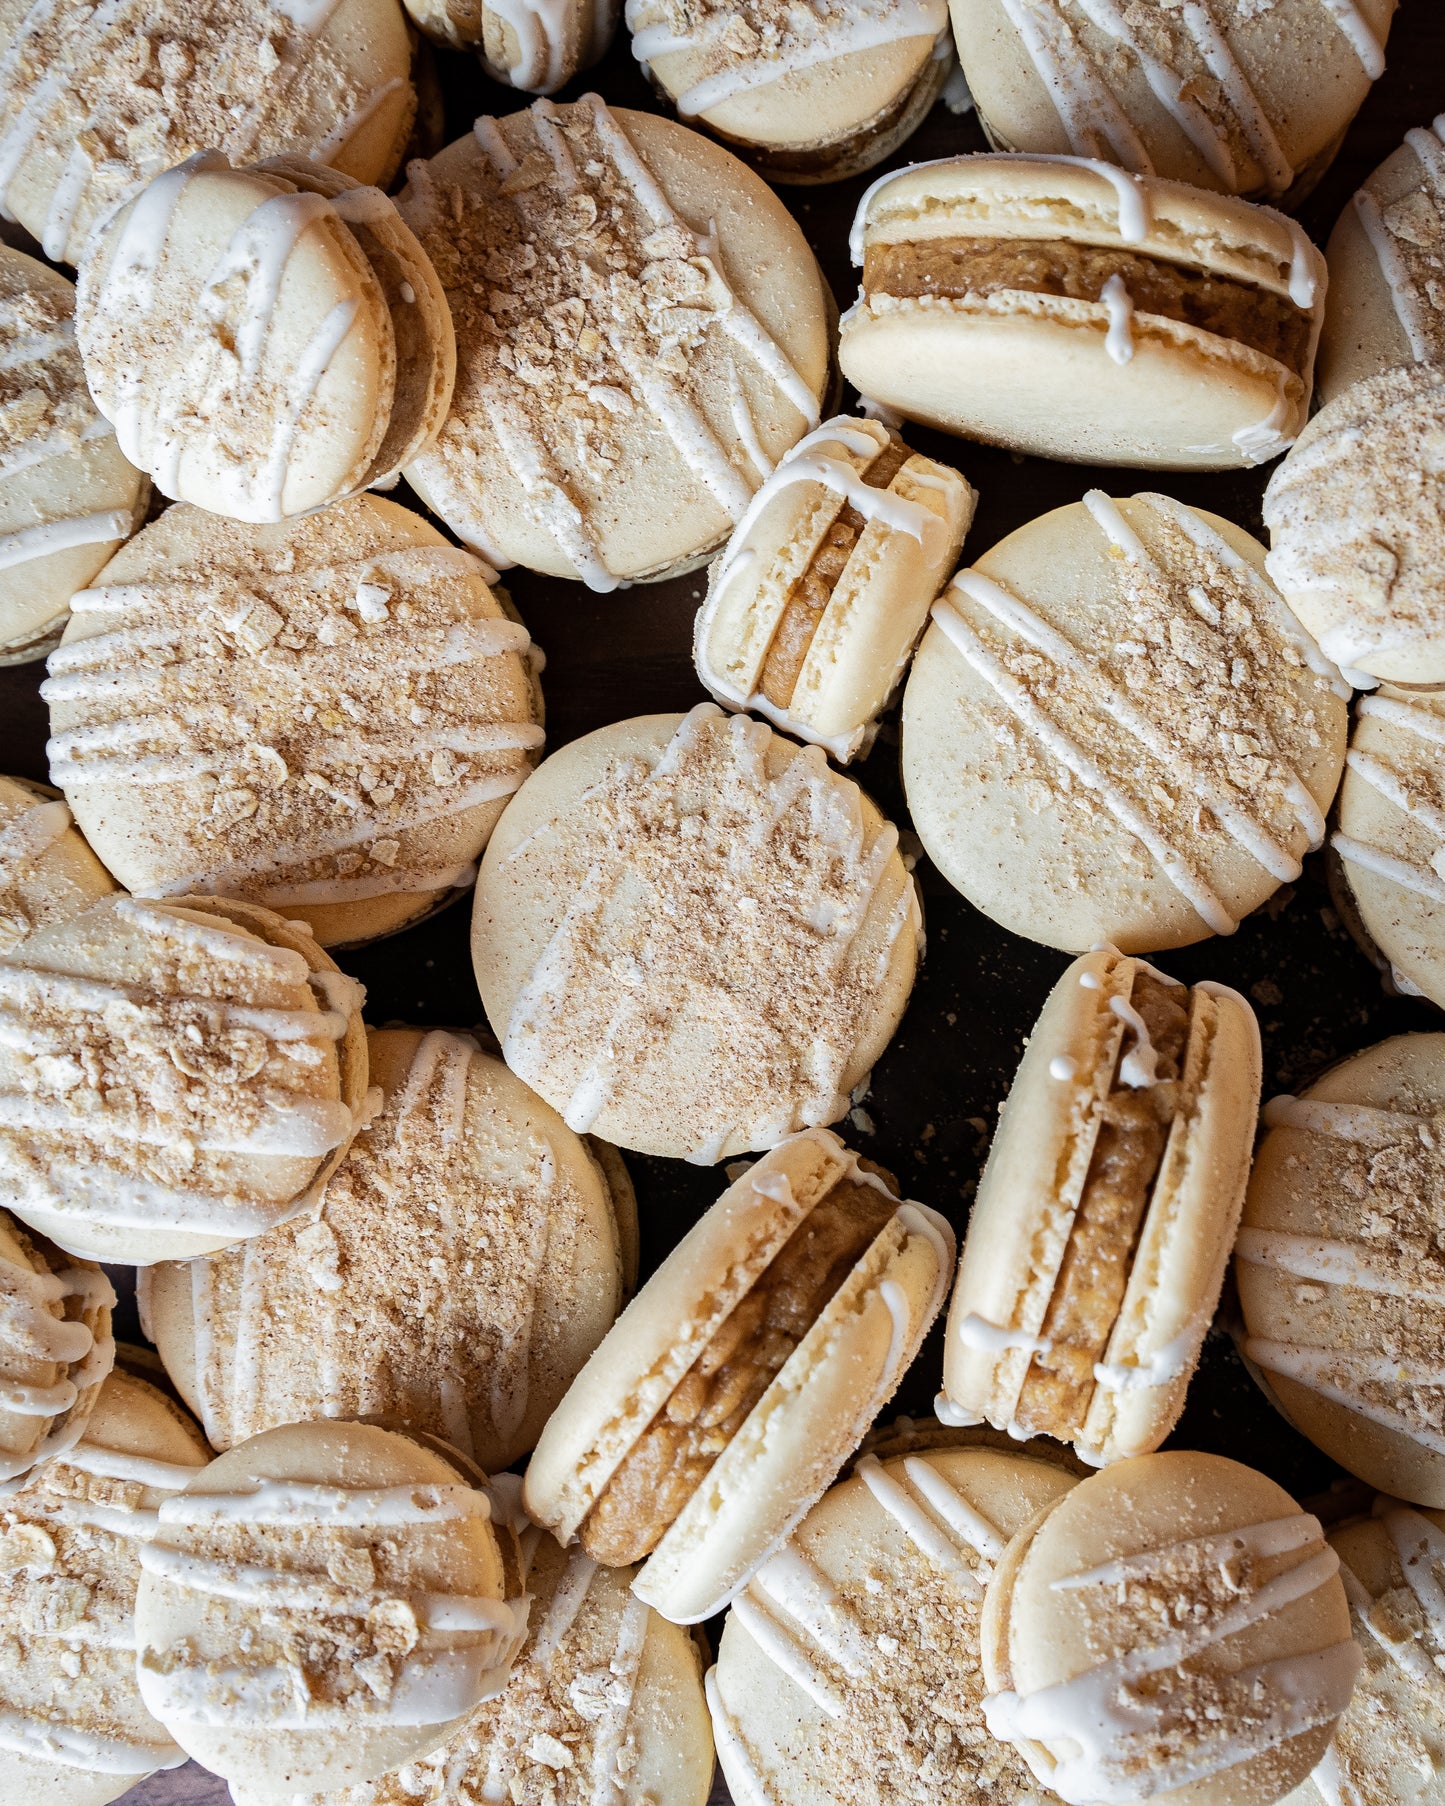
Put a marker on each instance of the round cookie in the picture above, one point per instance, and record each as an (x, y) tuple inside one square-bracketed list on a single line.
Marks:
[(1062, 307), (1114, 730), (744, 1373), (1101, 1230), (55, 1350), (1384, 306), (1174, 1629), (178, 1076), (535, 45), (73, 1730), (322, 1603), (698, 360), (692, 937), (95, 101), (818, 599), (1233, 96), (266, 340), (1342, 1293), (849, 1665), (1356, 518), (47, 872), (324, 716), (460, 1267), (68, 497), (804, 94), (605, 1701)]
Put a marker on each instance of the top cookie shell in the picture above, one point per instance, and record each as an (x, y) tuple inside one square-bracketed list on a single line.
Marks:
[(1236, 97), (612, 428), (95, 101)]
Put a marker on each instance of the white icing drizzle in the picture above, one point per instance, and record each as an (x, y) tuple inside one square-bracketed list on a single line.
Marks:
[(1341, 1376), (996, 1338), (540, 28), (48, 1740), (292, 1503), (1329, 1261), (1410, 291), (1362, 1123), (1363, 39), (1063, 1068), (1139, 1067), (1119, 305), (791, 1583), (120, 1464), (961, 1515), (611, 1728), (1166, 1364), (739, 1765), (938, 1534), (1404, 872), (29, 543)]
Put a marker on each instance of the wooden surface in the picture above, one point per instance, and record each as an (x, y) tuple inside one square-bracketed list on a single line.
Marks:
[(937, 1089)]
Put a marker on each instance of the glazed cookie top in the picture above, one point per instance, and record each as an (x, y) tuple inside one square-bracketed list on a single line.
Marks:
[(46, 869), (45, 407), (603, 328), (94, 101), (325, 712)]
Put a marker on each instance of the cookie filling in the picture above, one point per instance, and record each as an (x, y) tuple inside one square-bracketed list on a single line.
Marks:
[(810, 595), (974, 268), (1092, 1277), (670, 1460)]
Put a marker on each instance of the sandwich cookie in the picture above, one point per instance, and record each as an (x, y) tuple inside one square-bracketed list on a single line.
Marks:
[(1063, 307), (823, 589), (1356, 518), (605, 1703), (324, 716), (460, 1267), (322, 1604), (804, 94), (1390, 841), (47, 872), (1340, 1280), (97, 100), (68, 497), (1099, 1237), (55, 1351), (1115, 731), (173, 1076), (692, 937), (742, 1376), (535, 45), (266, 340), (1386, 307), (1231, 95), (698, 358), (849, 1666), (73, 1729)]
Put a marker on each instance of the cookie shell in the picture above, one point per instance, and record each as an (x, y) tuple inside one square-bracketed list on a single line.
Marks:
[(534, 45), (46, 870)]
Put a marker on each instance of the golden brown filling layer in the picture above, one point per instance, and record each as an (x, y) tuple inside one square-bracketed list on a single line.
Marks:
[(1095, 1270), (962, 267), (671, 1458), (811, 594)]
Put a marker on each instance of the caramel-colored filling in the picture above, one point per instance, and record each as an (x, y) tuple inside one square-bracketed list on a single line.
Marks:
[(962, 267), (706, 1408), (811, 594), (1092, 1278)]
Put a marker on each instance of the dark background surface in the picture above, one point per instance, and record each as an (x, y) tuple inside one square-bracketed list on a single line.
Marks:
[(936, 1091)]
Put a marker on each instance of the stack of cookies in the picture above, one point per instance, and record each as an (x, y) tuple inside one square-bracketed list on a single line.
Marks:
[(437, 1461)]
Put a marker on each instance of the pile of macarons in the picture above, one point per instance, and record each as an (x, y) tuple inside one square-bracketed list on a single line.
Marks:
[(417, 1488)]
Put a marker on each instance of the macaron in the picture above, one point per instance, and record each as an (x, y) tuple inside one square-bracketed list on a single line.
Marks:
[(321, 1604), (1115, 731), (1385, 308), (323, 716), (46, 870), (1233, 96), (821, 593), (173, 1077), (732, 1389), (692, 937), (1390, 837), (459, 1268), (1063, 307), (1356, 518), (803, 94), (55, 1350), (68, 497), (94, 102), (535, 45), (699, 359), (73, 1730), (1101, 1228), (1173, 1628), (849, 1667), (1340, 1288), (265, 340)]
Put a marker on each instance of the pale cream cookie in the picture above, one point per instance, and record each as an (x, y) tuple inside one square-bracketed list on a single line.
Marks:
[(535, 45), (46, 869)]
